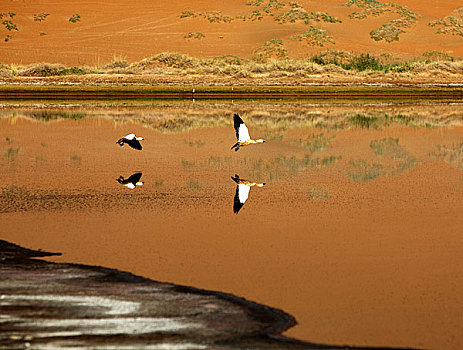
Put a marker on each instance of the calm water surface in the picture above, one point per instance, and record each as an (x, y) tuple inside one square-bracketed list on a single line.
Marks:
[(357, 231)]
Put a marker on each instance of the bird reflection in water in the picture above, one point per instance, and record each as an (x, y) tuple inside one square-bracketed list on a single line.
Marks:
[(242, 192), (132, 181)]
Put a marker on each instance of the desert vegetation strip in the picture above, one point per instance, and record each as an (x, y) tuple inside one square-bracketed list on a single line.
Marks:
[(270, 59)]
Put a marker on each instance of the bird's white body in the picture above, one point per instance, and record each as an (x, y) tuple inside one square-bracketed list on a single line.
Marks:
[(243, 133), (132, 186), (133, 137), (243, 192), (132, 140)]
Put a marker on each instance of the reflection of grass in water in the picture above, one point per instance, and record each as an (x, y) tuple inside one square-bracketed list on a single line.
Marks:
[(216, 162), (380, 121), (389, 147), (315, 142), (325, 161), (406, 164), (272, 169), (48, 115), (11, 154), (8, 140), (451, 154), (193, 185), (159, 184), (365, 171), (270, 124), (187, 164), (399, 119), (76, 160), (276, 135), (317, 193), (182, 123), (362, 121), (197, 143), (40, 160), (293, 164)]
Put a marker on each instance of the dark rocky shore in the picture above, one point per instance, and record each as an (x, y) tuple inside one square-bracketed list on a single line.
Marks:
[(48, 305)]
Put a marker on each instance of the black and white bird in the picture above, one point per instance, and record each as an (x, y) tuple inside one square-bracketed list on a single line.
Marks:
[(242, 192), (242, 134), (132, 181), (132, 140)]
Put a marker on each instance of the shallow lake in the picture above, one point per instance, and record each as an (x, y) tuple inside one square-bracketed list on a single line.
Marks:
[(357, 231)]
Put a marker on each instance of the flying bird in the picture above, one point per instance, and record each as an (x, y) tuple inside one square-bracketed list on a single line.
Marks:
[(242, 192), (132, 181), (132, 140), (242, 134)]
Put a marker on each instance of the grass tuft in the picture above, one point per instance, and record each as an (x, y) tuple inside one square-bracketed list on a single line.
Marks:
[(317, 193)]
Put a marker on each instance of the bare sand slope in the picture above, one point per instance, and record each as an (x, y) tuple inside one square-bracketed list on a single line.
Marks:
[(134, 30)]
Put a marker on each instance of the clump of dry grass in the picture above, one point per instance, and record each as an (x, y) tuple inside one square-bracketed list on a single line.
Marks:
[(271, 49), (46, 70), (452, 24), (314, 37), (194, 35), (211, 16), (434, 55), (5, 70)]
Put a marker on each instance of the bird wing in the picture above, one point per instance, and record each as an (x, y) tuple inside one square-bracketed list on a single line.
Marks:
[(236, 178), (134, 178), (242, 132), (241, 195), (134, 144), (130, 185), (129, 137)]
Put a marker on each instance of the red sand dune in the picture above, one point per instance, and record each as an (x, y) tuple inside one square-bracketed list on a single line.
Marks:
[(136, 29)]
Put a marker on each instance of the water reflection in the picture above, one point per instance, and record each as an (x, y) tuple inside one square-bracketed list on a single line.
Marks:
[(242, 192), (388, 149), (132, 181), (452, 154), (374, 187)]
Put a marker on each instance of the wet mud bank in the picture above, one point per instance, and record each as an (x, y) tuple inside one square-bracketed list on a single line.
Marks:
[(60, 305), (146, 89)]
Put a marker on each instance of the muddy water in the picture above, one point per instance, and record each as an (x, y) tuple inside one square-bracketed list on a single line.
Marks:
[(357, 232)]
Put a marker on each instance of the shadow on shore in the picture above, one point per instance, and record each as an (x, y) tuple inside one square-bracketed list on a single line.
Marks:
[(56, 305)]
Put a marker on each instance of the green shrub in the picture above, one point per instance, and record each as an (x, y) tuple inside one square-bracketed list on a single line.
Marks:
[(74, 18)]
